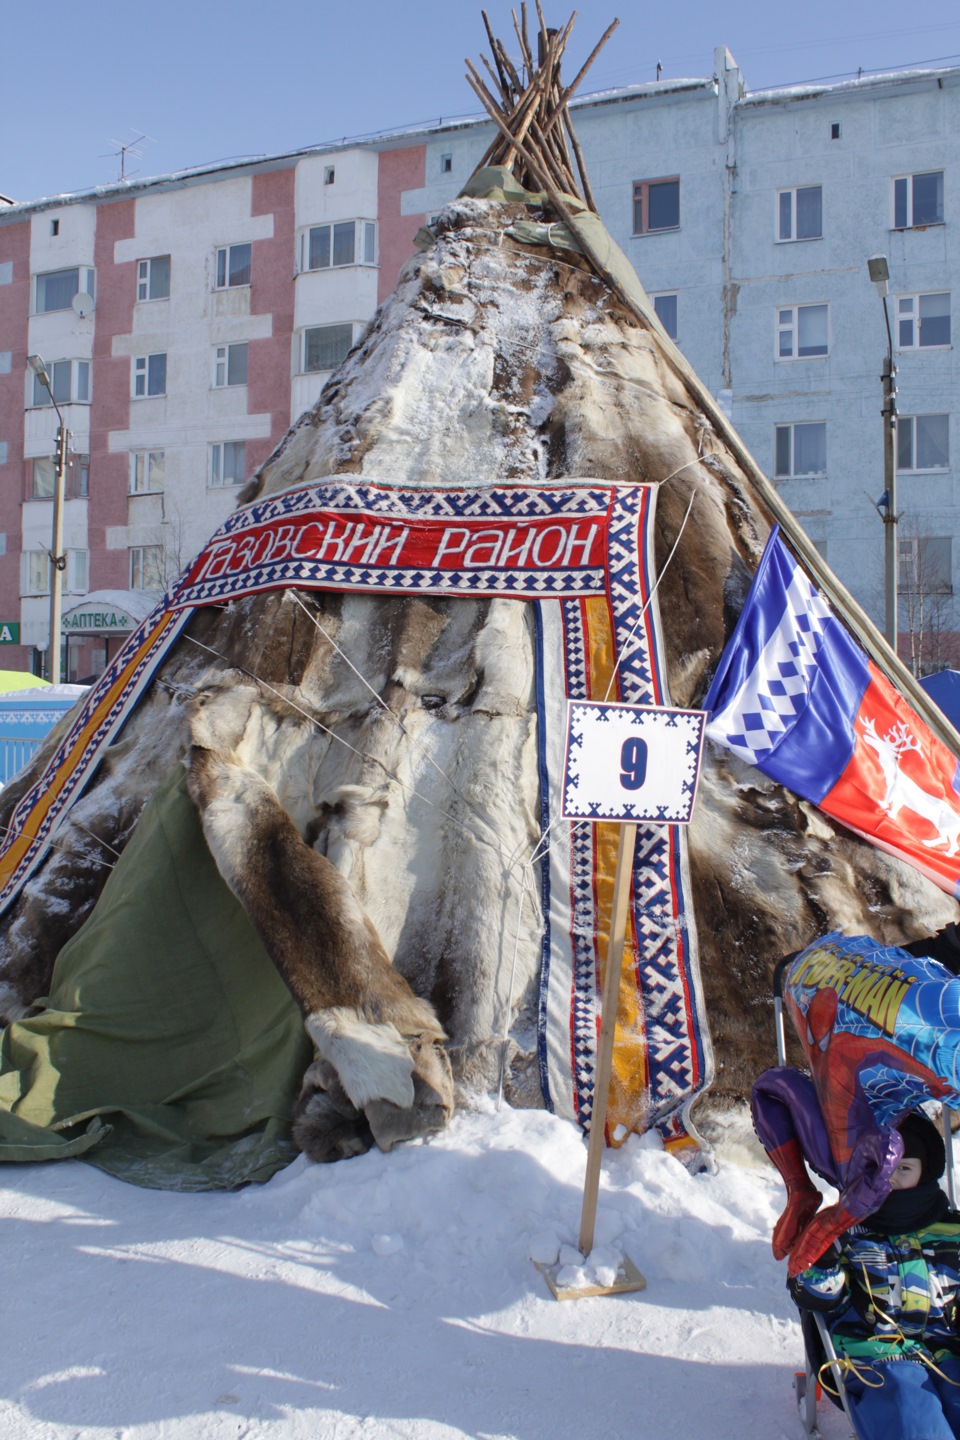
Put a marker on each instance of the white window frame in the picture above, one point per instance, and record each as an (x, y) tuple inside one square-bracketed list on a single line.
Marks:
[(222, 362), (667, 295), (342, 325), (908, 425), (141, 373), (793, 473), (78, 572), (79, 377), (146, 469), (365, 238), (46, 466), (793, 238), (217, 464), (146, 276), (35, 572), (225, 252), (908, 181), (908, 312), (792, 327), (137, 562), (86, 285)]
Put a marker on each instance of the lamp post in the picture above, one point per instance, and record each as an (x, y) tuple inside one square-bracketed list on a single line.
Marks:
[(58, 560), (879, 272)]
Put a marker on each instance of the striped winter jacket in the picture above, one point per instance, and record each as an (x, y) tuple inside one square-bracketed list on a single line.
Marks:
[(885, 1296)]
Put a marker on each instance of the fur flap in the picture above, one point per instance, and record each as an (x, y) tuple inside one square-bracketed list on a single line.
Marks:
[(373, 1062)]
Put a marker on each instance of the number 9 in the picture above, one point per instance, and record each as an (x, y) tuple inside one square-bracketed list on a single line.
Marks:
[(633, 763)]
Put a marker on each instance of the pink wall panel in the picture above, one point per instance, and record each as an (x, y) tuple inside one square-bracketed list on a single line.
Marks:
[(399, 170), (271, 293), (116, 293), (14, 312)]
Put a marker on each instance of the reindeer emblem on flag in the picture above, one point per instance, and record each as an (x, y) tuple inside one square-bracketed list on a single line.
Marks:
[(904, 800), (795, 696)]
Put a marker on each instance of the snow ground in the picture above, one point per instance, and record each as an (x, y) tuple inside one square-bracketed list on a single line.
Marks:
[(394, 1296)]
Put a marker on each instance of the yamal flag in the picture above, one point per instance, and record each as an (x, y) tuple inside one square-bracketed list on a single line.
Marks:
[(795, 696)]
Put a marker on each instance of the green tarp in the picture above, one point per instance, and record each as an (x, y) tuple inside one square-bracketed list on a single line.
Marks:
[(169, 1051)]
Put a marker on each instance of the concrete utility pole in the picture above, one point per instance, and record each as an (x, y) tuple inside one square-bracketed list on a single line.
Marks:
[(879, 272), (58, 560), (891, 558)]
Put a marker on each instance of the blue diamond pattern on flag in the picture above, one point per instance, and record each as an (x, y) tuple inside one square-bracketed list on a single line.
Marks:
[(795, 696), (789, 680)]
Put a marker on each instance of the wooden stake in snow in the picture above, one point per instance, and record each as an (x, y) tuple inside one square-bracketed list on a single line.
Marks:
[(608, 1024)]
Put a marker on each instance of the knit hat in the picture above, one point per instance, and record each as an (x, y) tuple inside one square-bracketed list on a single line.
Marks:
[(922, 1141)]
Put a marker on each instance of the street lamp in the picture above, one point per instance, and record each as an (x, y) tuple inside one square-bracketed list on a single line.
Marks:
[(58, 560), (879, 272)]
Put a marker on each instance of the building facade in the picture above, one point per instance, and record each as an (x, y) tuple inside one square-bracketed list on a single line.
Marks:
[(186, 321)]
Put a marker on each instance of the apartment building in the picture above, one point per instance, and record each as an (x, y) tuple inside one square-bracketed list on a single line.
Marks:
[(186, 321)]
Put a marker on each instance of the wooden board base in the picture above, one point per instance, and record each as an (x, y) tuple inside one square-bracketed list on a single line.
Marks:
[(628, 1278)]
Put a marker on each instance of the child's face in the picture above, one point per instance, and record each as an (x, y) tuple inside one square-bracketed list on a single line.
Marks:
[(906, 1175)]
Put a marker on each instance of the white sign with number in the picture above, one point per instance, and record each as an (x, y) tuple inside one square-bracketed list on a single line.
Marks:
[(631, 763)]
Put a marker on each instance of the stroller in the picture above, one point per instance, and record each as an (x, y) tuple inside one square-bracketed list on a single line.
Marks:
[(818, 1346)]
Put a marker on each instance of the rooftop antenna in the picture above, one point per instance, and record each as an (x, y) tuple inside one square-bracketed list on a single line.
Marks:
[(125, 148), (659, 68)]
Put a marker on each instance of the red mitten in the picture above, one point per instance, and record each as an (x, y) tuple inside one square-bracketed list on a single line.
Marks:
[(800, 1209), (818, 1236)]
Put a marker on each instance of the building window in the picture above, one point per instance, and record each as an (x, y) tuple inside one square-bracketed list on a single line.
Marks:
[(42, 479), (228, 463), (802, 332), (69, 381), (324, 346), (35, 575), (230, 365), (54, 227), (78, 477), (800, 213), (146, 567), (926, 564), (835, 130), (153, 278), (56, 289), (146, 471), (35, 572), (918, 200), (923, 442), (800, 450), (656, 205), (347, 242), (233, 266), (149, 375), (78, 571), (666, 308), (923, 321), (446, 164), (329, 175)]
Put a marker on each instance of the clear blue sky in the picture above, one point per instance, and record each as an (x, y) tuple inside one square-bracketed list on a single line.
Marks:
[(207, 82)]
